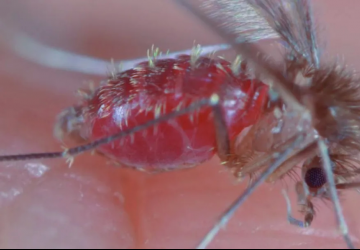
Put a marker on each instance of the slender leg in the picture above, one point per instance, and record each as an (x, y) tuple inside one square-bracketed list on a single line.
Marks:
[(348, 185), (242, 198), (305, 153), (308, 208), (222, 136), (213, 101), (333, 193), (34, 51)]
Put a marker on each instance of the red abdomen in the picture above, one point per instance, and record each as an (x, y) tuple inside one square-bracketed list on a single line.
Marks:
[(151, 90)]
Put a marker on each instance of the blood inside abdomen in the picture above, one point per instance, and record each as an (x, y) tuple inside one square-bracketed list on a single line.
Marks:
[(178, 143)]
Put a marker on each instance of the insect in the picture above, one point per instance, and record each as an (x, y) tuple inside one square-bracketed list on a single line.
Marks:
[(284, 111)]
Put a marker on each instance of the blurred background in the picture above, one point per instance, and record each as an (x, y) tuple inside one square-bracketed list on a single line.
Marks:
[(94, 204)]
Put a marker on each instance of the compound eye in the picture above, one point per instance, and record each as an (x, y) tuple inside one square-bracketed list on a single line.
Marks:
[(315, 177)]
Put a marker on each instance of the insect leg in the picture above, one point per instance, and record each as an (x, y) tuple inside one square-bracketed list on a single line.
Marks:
[(333, 193), (254, 54), (309, 213), (39, 53), (280, 158), (305, 153), (348, 185), (36, 52), (222, 136), (213, 101), (301, 188)]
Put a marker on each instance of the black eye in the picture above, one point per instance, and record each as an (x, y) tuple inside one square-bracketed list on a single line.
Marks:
[(315, 177)]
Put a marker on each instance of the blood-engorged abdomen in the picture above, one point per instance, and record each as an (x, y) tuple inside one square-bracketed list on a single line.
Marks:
[(152, 89)]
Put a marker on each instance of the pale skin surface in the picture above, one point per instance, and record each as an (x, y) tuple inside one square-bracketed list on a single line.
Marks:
[(97, 205)]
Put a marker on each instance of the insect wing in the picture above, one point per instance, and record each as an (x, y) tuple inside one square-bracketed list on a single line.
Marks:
[(236, 18), (293, 22)]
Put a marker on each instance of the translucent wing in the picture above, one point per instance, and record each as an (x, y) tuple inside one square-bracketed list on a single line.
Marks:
[(230, 19), (254, 20), (243, 22), (237, 18), (293, 21)]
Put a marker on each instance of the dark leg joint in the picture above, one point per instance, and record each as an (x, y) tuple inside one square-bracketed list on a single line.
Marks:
[(309, 215)]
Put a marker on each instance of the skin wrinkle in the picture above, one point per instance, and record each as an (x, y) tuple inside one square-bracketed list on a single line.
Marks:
[(64, 207)]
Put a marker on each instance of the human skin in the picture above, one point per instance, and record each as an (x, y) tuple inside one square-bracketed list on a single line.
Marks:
[(95, 204)]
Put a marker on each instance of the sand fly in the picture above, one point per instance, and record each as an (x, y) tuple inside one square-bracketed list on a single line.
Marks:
[(168, 113)]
